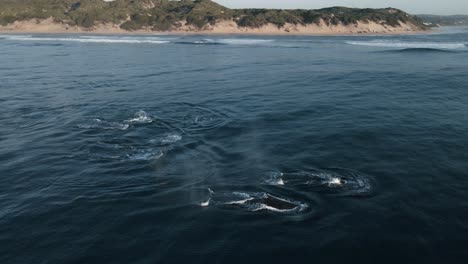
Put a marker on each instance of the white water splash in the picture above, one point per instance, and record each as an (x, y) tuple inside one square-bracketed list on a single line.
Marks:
[(141, 117), (252, 201), (276, 178), (335, 182), (205, 204)]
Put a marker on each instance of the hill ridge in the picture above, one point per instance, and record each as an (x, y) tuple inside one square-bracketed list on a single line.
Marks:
[(194, 16)]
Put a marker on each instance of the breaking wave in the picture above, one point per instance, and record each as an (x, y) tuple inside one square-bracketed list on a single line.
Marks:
[(233, 41), (408, 45), (421, 50), (89, 39), (254, 201), (135, 40), (198, 42), (242, 41)]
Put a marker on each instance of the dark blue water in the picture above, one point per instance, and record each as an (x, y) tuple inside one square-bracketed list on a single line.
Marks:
[(202, 149)]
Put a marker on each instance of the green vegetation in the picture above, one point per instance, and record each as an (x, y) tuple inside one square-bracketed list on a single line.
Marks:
[(331, 16), (162, 15)]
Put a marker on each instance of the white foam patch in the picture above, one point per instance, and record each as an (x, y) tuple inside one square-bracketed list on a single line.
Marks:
[(276, 178), (205, 204), (408, 45), (145, 155), (254, 202), (171, 138), (335, 182), (141, 117), (132, 40), (11, 36)]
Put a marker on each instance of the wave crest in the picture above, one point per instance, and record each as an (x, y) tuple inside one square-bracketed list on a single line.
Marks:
[(230, 41), (408, 45), (136, 40), (88, 39), (420, 50), (241, 41)]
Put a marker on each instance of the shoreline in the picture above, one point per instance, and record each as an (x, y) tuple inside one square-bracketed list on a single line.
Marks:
[(174, 33), (47, 26)]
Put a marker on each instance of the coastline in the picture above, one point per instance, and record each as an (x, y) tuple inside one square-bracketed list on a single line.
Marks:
[(47, 26)]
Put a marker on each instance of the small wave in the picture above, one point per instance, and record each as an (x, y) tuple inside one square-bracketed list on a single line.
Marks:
[(408, 45), (47, 45), (12, 36), (192, 118), (205, 119), (198, 42), (233, 41), (167, 139), (89, 40), (141, 117), (341, 182), (254, 201), (240, 41), (420, 50), (145, 155), (101, 124), (102, 150)]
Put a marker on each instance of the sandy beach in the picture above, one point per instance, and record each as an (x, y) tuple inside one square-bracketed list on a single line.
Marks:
[(220, 28)]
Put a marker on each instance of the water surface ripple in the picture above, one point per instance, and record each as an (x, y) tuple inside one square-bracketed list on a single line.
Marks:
[(234, 149)]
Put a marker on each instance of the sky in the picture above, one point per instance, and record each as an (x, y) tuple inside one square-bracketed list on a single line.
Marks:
[(439, 7)]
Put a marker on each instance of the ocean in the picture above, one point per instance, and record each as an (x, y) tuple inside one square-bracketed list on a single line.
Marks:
[(234, 149)]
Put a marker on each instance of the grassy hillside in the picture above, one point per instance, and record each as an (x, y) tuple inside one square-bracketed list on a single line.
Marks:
[(163, 15)]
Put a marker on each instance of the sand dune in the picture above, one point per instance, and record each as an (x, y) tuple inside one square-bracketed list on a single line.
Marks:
[(221, 27)]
